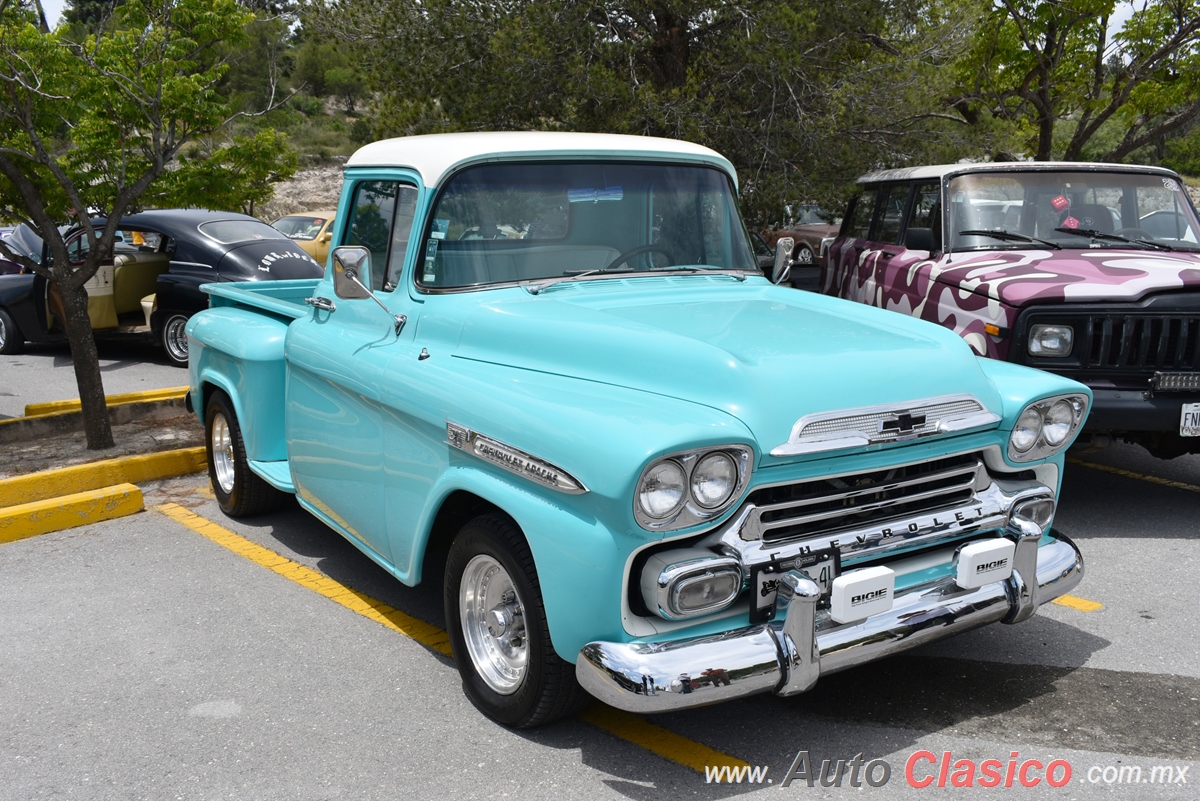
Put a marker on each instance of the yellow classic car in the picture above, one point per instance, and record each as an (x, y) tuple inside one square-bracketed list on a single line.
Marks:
[(310, 230)]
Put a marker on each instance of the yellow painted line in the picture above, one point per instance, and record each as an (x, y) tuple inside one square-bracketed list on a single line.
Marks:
[(655, 738), (1117, 471), (79, 478), (625, 725), (80, 509), (55, 407), (1082, 604), (424, 633)]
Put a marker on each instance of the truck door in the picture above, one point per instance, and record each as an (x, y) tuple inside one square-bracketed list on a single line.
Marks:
[(336, 362)]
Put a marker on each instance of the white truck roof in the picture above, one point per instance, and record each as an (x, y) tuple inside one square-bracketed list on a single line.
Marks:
[(942, 170), (433, 156)]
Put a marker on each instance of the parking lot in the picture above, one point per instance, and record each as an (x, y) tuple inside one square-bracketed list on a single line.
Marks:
[(180, 654)]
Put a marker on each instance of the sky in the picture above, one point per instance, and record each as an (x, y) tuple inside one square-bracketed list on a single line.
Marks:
[(53, 9)]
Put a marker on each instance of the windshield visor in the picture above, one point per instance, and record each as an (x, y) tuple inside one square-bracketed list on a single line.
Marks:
[(496, 224), (1059, 207)]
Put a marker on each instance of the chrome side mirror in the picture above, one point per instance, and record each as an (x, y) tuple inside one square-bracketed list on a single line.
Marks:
[(352, 279), (351, 272), (782, 269)]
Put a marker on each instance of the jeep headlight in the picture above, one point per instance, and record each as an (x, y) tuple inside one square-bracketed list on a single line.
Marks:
[(688, 488), (1053, 341), (1044, 427)]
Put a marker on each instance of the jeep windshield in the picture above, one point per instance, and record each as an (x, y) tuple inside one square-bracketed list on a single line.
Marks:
[(1015, 209), (539, 223)]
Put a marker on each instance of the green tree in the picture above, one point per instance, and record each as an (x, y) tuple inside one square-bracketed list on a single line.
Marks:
[(91, 127), (799, 95), (1053, 70)]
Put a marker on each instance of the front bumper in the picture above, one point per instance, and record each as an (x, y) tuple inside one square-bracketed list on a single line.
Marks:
[(788, 656), (1136, 410)]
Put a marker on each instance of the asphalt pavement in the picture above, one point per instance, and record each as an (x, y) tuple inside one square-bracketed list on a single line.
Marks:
[(143, 658), (44, 373)]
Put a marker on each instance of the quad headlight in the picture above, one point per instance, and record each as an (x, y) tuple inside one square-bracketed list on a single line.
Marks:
[(1053, 341), (1045, 426), (688, 488)]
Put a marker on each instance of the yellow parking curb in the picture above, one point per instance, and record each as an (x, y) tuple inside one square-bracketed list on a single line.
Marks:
[(79, 509), (56, 407), (50, 484)]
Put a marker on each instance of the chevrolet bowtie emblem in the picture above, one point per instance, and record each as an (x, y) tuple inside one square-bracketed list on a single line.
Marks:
[(902, 424)]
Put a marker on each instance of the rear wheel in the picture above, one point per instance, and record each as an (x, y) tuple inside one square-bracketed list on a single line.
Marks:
[(174, 339), (804, 256), (239, 490), (11, 338), (498, 629)]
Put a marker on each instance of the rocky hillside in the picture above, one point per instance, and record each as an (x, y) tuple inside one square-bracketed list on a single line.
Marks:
[(313, 189)]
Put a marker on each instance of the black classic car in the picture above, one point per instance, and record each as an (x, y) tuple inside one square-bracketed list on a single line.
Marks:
[(149, 284)]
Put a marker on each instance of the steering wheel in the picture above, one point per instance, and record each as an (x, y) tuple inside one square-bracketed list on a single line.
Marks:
[(639, 250), (1134, 233)]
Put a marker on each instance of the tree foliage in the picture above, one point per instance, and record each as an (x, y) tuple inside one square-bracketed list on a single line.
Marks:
[(1053, 70), (92, 127), (797, 94)]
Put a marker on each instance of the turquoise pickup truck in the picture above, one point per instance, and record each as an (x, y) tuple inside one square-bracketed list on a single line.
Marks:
[(547, 368)]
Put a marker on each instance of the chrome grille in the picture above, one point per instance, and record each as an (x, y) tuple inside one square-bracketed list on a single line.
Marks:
[(829, 505)]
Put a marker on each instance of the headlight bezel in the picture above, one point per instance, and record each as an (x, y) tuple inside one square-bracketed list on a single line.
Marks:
[(1042, 447), (1039, 332), (693, 511)]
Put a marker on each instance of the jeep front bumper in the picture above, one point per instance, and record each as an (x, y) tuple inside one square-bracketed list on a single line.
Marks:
[(787, 656)]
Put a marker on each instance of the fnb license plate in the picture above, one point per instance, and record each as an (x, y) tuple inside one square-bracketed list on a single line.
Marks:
[(1189, 420), (820, 566)]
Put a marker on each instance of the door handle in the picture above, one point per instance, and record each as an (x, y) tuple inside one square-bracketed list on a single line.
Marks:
[(321, 303)]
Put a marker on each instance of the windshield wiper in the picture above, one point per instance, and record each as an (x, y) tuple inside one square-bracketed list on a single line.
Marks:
[(1094, 234), (534, 289), (1010, 236)]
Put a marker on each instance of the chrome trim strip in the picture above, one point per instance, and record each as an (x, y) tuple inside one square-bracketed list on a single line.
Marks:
[(861, 425), (512, 459), (787, 656)]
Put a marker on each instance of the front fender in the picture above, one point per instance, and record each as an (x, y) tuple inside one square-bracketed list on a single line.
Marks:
[(579, 561), (241, 352)]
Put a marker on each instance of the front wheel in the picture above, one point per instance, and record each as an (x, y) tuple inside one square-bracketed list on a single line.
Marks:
[(174, 339), (11, 338), (240, 491), (498, 629)]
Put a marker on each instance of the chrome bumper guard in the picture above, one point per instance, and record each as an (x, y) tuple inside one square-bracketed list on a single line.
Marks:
[(788, 656)]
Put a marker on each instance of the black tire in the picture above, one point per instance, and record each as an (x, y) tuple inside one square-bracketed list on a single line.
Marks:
[(173, 340), (805, 257), (545, 689), (239, 490), (11, 338)]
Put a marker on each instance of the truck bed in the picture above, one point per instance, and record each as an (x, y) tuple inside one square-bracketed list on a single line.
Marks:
[(285, 298)]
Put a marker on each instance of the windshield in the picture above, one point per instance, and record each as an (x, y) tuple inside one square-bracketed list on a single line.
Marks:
[(1070, 210), (504, 223)]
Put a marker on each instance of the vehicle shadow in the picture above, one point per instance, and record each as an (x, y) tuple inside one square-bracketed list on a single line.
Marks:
[(1008, 691), (1095, 503)]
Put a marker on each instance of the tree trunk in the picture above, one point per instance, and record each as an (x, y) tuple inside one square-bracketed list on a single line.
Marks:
[(87, 368)]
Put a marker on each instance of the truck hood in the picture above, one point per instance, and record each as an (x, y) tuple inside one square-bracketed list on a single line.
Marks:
[(1022, 277), (766, 355)]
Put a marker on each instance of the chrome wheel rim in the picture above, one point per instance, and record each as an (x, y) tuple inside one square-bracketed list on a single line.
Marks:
[(493, 624), (3, 333), (175, 338), (222, 452), (804, 256)]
